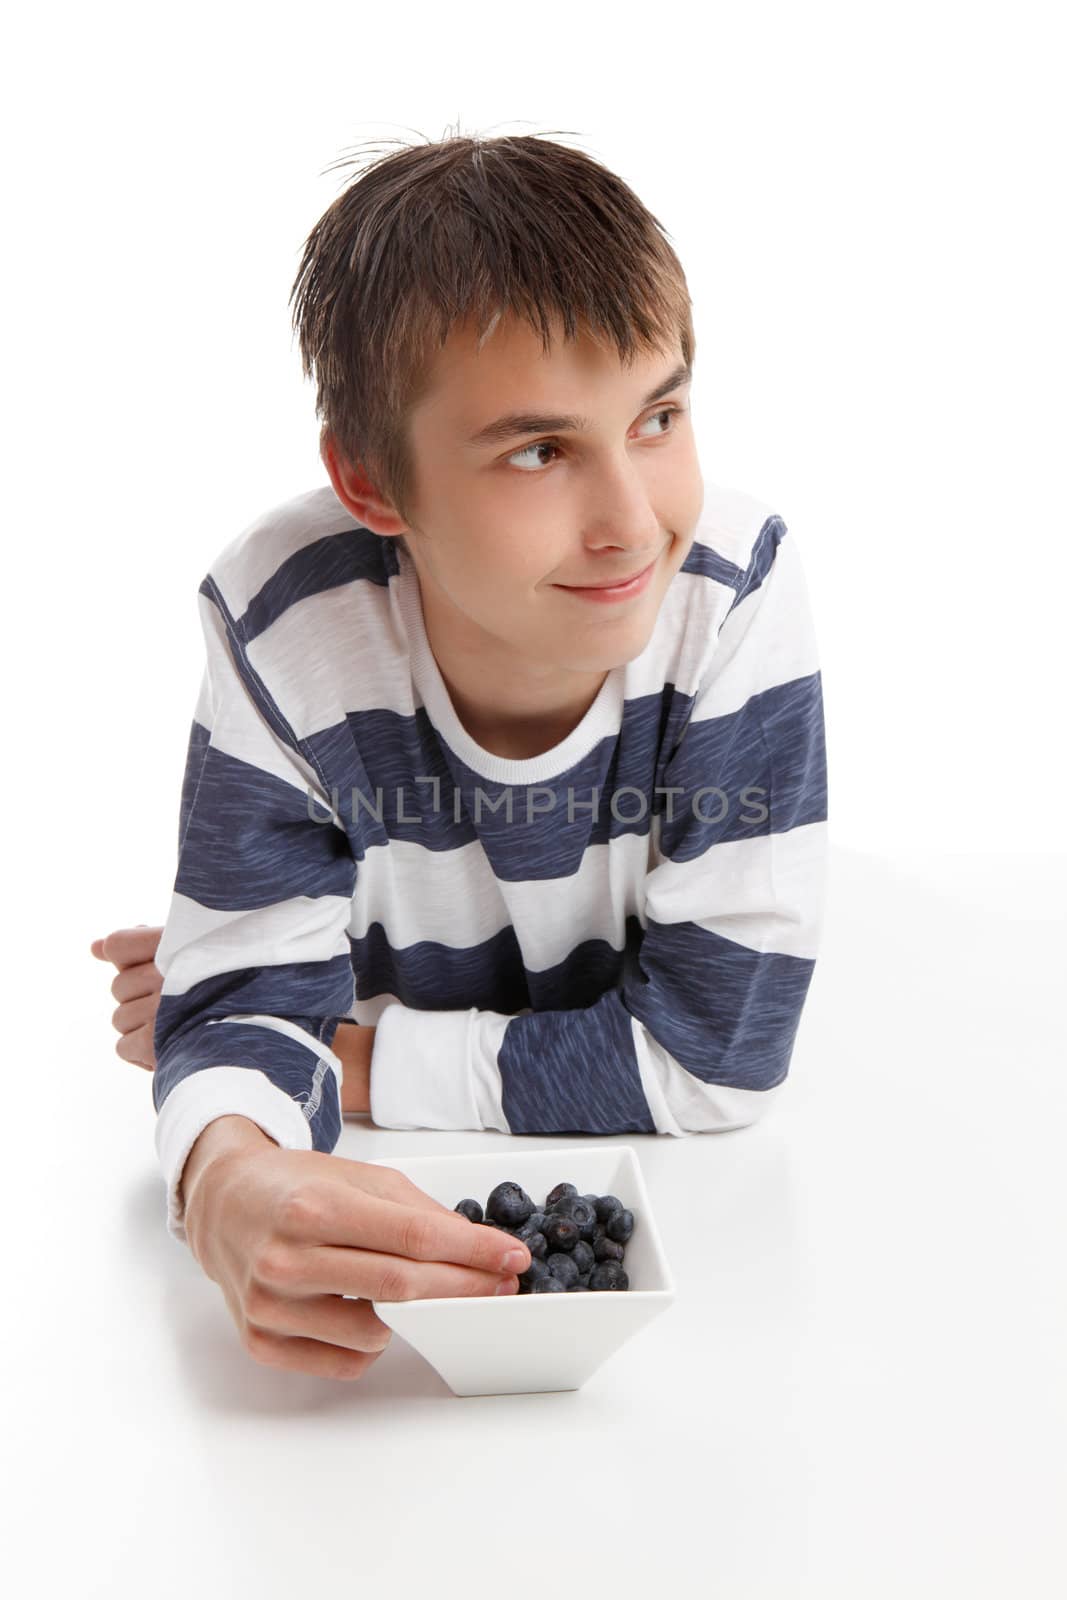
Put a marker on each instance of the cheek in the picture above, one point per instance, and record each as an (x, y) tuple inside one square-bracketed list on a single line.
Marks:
[(493, 580), (512, 569)]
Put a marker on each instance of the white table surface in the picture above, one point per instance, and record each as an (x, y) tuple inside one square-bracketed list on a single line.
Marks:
[(859, 1391)]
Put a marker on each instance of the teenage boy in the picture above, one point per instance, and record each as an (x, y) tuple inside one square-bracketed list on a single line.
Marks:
[(508, 767)]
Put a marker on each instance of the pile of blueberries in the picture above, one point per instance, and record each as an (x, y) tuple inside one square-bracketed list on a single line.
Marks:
[(576, 1241)]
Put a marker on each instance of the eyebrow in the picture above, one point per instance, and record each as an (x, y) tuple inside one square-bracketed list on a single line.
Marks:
[(518, 423)]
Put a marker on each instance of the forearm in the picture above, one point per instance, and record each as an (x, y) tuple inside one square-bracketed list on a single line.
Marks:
[(353, 1043)]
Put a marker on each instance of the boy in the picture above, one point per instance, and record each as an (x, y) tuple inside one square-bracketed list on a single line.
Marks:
[(508, 767)]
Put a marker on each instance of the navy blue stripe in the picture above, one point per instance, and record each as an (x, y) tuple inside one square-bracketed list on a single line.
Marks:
[(336, 559), (573, 1071), (727, 1013), (428, 976), (248, 841), (195, 756), (764, 765), (301, 991), (704, 562), (288, 1064), (764, 550), (402, 766)]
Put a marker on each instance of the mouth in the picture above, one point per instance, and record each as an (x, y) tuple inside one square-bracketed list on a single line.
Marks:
[(622, 590)]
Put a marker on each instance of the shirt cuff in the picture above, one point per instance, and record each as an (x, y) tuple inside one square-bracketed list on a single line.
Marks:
[(437, 1069), (216, 1092)]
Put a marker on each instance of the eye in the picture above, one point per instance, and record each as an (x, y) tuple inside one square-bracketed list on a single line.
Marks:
[(550, 444)]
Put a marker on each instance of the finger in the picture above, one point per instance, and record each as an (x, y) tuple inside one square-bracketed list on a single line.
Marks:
[(306, 1355), (134, 1014), (336, 1214), (99, 947), (133, 982), (138, 1049), (374, 1275), (128, 945), (351, 1324)]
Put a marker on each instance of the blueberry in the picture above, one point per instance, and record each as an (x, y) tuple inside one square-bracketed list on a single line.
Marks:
[(562, 1266), (608, 1275), (536, 1269), (619, 1226), (606, 1249), (560, 1232), (472, 1210), (580, 1284), (558, 1193), (510, 1204), (549, 1284), (584, 1256), (536, 1243), (582, 1215), (605, 1205), (536, 1221)]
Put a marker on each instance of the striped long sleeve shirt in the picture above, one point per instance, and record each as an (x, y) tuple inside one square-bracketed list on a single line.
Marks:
[(617, 935)]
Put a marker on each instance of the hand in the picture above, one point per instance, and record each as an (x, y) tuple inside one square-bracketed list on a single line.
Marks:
[(138, 987), (287, 1233)]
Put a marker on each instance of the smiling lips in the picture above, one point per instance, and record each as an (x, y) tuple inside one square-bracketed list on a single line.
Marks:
[(616, 583), (620, 589)]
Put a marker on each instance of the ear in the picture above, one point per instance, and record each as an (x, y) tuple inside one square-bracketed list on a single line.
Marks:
[(356, 492)]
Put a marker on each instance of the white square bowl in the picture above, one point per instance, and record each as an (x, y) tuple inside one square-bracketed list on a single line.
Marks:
[(533, 1343)]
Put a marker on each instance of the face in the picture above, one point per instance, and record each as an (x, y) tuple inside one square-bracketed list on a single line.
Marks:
[(503, 527)]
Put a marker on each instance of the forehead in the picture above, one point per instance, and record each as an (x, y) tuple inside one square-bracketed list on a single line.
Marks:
[(471, 383)]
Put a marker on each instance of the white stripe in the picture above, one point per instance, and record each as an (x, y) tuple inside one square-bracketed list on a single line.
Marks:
[(453, 898), (237, 726), (200, 943), (681, 1103), (768, 639), (771, 890), (244, 565)]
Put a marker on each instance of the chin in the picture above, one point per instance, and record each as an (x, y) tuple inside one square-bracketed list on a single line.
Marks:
[(615, 654)]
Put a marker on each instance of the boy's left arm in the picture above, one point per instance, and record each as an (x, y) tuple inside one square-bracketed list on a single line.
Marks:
[(699, 1035)]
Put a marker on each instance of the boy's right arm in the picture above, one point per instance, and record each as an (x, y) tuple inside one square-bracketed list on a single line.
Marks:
[(255, 957)]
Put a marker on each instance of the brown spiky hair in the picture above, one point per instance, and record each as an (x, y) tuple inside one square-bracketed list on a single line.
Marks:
[(434, 234)]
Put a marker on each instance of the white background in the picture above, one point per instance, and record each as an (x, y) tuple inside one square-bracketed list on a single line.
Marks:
[(868, 205)]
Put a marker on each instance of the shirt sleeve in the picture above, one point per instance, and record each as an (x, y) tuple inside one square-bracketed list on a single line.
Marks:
[(699, 1034), (255, 956)]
